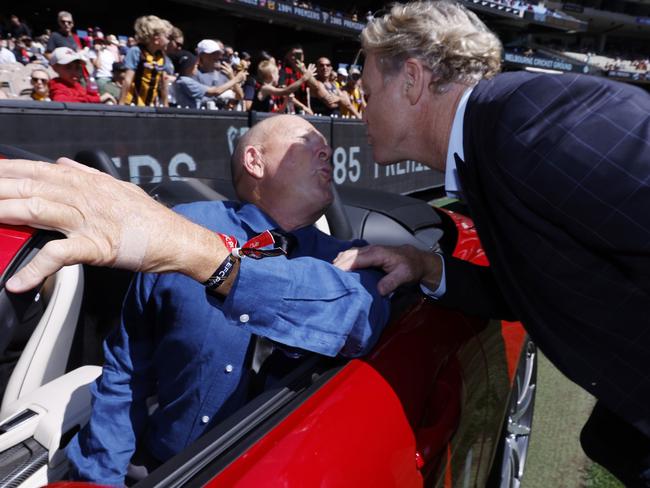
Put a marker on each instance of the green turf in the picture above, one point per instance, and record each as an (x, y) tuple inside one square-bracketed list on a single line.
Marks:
[(598, 477)]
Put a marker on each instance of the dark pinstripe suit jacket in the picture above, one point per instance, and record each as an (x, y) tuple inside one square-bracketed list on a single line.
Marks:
[(557, 178)]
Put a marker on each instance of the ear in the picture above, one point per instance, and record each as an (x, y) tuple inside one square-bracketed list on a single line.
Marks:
[(415, 82), (253, 162)]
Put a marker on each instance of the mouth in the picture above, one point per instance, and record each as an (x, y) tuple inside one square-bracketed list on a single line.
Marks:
[(326, 174)]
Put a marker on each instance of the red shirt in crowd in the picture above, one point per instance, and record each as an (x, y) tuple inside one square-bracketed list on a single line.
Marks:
[(60, 91)]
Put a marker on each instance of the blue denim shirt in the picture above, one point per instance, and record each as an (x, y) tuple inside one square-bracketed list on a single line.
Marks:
[(189, 348)]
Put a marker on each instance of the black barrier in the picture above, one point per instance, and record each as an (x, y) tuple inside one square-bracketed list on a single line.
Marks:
[(149, 145), (354, 166)]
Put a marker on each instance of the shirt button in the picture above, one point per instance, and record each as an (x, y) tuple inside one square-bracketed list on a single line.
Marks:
[(228, 368), (243, 318), (205, 419)]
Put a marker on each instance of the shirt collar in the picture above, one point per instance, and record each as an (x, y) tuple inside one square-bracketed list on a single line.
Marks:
[(255, 218), (452, 183)]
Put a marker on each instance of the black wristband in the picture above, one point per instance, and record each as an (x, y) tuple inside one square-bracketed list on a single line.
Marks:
[(221, 274)]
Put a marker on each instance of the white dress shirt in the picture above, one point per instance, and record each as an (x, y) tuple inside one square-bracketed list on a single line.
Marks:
[(452, 183)]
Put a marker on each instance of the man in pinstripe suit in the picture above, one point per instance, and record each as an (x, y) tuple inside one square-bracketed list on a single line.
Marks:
[(556, 174)]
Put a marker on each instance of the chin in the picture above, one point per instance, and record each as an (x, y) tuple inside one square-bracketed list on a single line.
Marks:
[(380, 157)]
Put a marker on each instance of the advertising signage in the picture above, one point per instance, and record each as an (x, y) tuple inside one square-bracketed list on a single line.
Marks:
[(273, 9), (538, 60)]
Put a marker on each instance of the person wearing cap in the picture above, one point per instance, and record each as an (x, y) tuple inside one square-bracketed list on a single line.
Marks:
[(145, 84), (214, 72), (114, 85), (355, 92), (66, 87), (189, 92), (341, 77)]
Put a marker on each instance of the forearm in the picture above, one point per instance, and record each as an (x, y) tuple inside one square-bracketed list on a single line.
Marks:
[(302, 106), (344, 313), (239, 93), (218, 90)]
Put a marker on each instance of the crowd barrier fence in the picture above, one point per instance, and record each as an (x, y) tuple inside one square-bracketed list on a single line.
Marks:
[(149, 145)]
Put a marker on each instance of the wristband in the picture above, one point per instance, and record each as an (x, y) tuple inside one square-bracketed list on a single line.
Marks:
[(221, 274), (251, 248)]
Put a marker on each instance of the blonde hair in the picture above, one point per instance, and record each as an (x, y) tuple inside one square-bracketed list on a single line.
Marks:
[(148, 26), (446, 37), (266, 68)]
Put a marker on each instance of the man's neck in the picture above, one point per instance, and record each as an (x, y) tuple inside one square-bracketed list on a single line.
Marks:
[(434, 128)]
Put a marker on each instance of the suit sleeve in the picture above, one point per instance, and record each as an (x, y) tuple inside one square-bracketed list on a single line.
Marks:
[(103, 448), (308, 303), (473, 289)]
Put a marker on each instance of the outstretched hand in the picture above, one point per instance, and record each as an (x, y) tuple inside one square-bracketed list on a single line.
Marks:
[(403, 264), (107, 222)]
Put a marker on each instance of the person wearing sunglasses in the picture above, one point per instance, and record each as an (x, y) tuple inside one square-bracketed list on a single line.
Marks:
[(328, 98), (64, 37), (40, 89)]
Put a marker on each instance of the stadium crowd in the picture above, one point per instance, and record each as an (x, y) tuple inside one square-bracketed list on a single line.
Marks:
[(153, 67)]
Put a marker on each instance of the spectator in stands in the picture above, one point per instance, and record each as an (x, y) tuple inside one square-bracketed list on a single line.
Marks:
[(291, 71), (6, 56), (267, 88), (64, 36), (20, 51), (249, 84), (113, 45), (103, 60), (341, 77), (66, 87), (18, 29), (355, 93), (175, 46), (228, 54), (189, 92), (148, 61), (326, 97), (34, 51), (40, 79), (114, 86), (213, 71)]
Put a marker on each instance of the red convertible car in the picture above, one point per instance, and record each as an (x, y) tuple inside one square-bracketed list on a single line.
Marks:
[(444, 399)]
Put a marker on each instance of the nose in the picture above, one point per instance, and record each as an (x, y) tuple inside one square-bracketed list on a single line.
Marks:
[(325, 153)]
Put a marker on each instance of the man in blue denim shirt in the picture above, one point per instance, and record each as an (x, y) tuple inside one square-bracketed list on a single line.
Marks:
[(190, 347)]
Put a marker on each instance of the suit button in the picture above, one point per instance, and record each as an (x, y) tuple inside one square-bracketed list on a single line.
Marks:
[(205, 419), (228, 368), (243, 318)]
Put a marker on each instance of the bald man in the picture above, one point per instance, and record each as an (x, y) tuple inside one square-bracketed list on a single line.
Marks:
[(192, 348)]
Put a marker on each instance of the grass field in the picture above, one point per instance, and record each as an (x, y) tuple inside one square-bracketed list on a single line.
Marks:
[(556, 459)]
